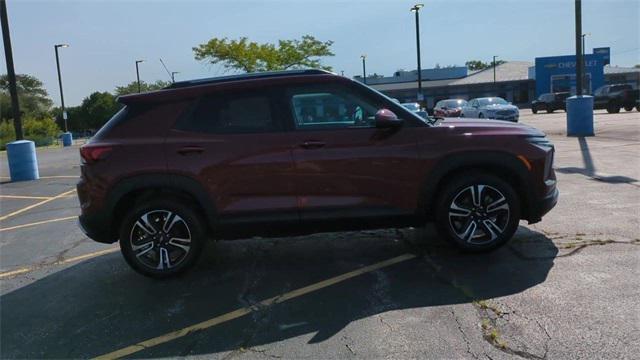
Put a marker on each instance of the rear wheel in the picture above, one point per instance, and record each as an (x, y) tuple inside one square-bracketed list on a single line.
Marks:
[(613, 108), (478, 212), (628, 108), (549, 108), (534, 110), (162, 238)]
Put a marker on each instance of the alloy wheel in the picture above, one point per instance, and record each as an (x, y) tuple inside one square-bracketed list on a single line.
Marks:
[(479, 214), (160, 239)]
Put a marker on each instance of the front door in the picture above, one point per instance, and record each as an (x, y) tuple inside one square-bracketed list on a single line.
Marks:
[(344, 165)]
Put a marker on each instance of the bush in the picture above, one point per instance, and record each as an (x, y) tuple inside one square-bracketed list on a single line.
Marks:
[(41, 131)]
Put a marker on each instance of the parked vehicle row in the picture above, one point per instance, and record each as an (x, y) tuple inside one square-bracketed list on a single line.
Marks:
[(298, 152)]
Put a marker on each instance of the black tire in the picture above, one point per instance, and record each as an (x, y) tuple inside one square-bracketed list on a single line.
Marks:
[(493, 224), (534, 110), (549, 109), (613, 108), (628, 108), (182, 223), (481, 116)]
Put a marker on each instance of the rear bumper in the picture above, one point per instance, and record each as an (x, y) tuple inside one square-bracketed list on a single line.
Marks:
[(543, 206), (96, 227)]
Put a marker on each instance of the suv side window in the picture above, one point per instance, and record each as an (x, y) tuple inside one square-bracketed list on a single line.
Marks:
[(216, 114), (329, 107)]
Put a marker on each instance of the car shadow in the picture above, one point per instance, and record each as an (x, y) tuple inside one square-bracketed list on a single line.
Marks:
[(99, 306)]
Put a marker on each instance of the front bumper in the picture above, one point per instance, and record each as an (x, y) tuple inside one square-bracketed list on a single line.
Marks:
[(543, 206)]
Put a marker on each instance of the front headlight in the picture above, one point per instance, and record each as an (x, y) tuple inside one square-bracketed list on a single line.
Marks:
[(540, 141)]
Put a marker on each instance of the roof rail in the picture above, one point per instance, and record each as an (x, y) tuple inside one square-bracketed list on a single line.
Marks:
[(247, 76)]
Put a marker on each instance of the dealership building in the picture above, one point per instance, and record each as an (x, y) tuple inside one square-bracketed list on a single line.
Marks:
[(519, 82)]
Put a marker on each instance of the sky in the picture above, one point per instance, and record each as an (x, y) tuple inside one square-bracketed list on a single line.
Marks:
[(106, 37)]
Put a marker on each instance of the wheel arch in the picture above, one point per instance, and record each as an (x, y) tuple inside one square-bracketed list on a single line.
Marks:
[(129, 191), (501, 164)]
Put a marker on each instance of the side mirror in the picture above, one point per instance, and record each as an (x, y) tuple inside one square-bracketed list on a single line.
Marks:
[(386, 119)]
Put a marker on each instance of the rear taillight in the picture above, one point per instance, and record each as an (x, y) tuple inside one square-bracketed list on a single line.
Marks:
[(92, 153)]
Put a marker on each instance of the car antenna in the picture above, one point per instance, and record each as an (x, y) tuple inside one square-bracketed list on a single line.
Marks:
[(167, 70)]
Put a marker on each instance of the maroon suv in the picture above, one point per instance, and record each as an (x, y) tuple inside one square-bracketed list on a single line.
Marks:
[(300, 152)]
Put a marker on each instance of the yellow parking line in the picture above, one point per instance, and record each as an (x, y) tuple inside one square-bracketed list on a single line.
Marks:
[(25, 197), (14, 272), (62, 262), (37, 223), (36, 205), (246, 310)]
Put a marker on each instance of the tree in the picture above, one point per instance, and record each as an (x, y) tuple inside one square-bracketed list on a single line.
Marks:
[(132, 87), (637, 66), (250, 56), (97, 108), (479, 65), (33, 97), (94, 112)]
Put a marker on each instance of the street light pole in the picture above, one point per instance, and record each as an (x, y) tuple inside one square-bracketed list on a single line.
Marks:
[(64, 113), (138, 73), (494, 68), (8, 54), (173, 76), (364, 68), (416, 9)]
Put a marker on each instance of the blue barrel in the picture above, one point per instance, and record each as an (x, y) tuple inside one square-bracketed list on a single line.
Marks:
[(23, 164), (67, 139), (580, 116)]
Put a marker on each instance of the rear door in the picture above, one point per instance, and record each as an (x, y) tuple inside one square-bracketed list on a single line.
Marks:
[(345, 167), (235, 145)]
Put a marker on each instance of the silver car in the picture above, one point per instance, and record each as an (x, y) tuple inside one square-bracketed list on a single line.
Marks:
[(491, 108)]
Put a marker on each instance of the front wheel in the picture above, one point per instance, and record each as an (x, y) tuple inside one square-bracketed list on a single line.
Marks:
[(478, 212), (161, 238), (534, 110), (628, 108)]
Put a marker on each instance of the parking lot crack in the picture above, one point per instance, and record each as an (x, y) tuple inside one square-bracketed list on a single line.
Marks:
[(464, 335)]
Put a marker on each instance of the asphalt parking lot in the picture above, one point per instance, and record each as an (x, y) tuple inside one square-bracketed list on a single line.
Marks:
[(567, 287)]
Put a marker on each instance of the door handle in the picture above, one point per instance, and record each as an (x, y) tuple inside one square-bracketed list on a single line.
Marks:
[(190, 150), (312, 144)]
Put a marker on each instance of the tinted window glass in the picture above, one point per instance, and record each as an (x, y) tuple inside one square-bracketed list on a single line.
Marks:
[(216, 114), (330, 108)]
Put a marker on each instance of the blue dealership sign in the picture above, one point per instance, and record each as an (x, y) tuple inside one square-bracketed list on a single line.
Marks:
[(558, 73), (605, 52)]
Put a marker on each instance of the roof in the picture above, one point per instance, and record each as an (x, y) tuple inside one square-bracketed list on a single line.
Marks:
[(195, 88), (246, 76), (620, 70), (509, 71)]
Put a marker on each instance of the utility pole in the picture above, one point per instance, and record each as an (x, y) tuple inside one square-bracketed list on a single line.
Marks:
[(416, 9), (138, 73), (364, 68), (494, 68), (173, 76), (8, 54), (579, 58)]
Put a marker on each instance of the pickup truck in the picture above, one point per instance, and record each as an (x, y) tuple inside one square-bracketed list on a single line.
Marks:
[(614, 97)]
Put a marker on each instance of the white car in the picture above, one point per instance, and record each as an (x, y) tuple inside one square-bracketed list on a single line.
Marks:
[(491, 108)]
